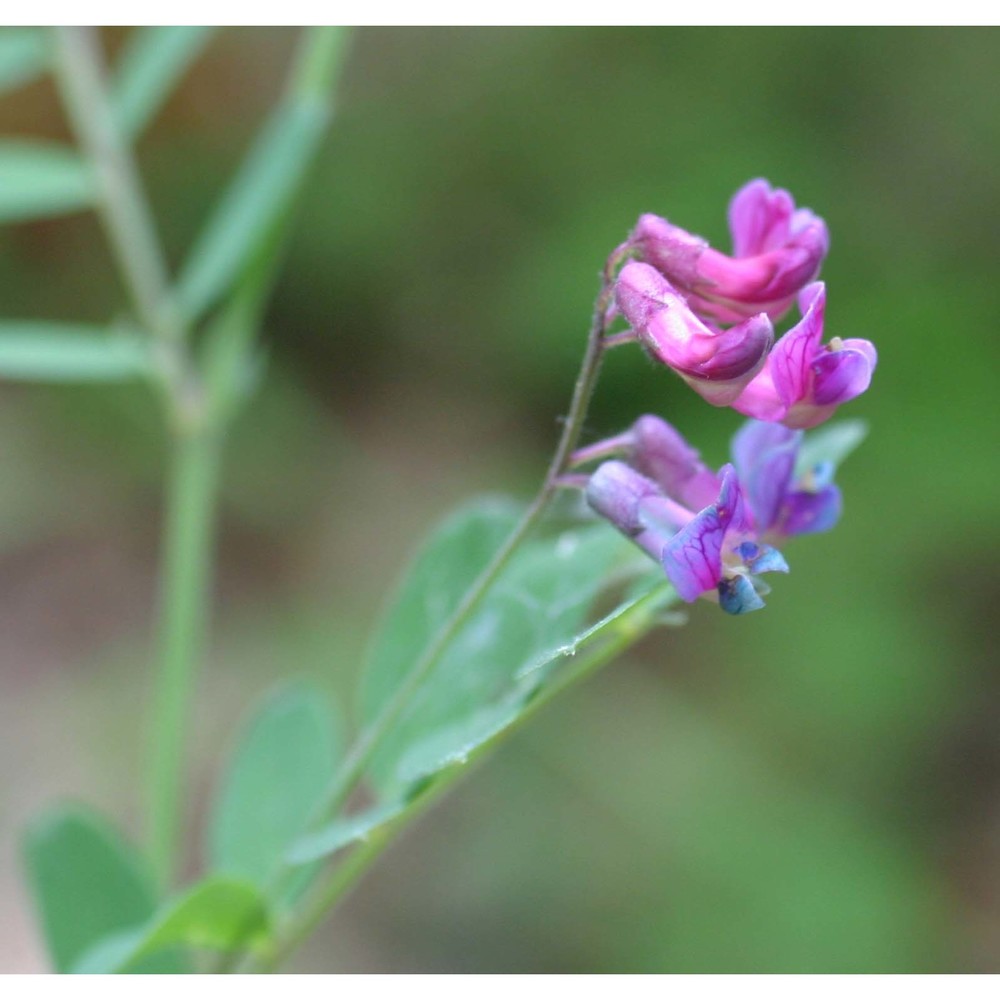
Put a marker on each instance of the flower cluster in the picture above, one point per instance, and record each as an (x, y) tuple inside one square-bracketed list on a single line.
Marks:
[(713, 532), (710, 317), (680, 294)]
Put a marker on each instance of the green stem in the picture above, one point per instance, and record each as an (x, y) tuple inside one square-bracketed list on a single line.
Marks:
[(121, 203), (186, 570), (627, 629)]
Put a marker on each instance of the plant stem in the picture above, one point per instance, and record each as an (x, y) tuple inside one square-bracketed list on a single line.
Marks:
[(185, 584), (628, 629), (121, 203)]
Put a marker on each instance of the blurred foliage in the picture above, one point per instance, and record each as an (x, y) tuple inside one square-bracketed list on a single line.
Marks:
[(815, 788)]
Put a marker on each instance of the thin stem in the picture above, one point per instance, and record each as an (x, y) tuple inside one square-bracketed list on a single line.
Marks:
[(629, 628), (186, 570)]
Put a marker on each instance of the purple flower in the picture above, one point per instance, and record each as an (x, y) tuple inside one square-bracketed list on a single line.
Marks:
[(718, 364), (714, 534), (803, 381), (777, 251)]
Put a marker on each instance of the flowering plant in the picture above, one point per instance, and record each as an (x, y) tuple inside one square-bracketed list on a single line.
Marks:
[(498, 613)]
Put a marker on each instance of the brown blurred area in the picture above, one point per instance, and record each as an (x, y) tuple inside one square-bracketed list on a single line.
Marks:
[(812, 789)]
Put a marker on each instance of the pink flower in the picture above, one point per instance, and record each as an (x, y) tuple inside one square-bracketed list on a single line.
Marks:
[(717, 364), (777, 251), (804, 381)]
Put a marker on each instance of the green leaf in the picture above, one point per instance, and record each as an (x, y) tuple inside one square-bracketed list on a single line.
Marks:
[(41, 179), (283, 764), (257, 197), (39, 351), (219, 914), (87, 883), (442, 572), (831, 443), (453, 745), (24, 56), (153, 61), (538, 606)]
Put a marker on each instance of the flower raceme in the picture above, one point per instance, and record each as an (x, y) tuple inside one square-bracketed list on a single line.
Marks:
[(718, 364), (713, 533), (680, 295), (777, 250), (802, 381)]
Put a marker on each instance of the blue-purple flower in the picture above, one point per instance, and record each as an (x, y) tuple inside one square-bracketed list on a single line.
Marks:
[(713, 533)]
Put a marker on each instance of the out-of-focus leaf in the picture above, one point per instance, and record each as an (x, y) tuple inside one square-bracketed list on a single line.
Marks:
[(831, 443), (24, 56), (87, 883), (39, 351), (261, 191), (284, 762), (456, 743), (41, 179), (153, 61), (538, 605), (219, 914)]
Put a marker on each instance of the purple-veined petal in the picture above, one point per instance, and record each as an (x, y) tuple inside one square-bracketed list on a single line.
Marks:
[(789, 362), (692, 559)]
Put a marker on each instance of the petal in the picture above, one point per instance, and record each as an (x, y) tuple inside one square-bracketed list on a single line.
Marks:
[(759, 218), (841, 375), (737, 596), (807, 513), (615, 491), (640, 292), (789, 362), (765, 459), (692, 559), (754, 440), (768, 560), (760, 397), (658, 451), (730, 503), (671, 250)]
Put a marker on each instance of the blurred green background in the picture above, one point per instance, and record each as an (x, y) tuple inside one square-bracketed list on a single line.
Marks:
[(812, 789)]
